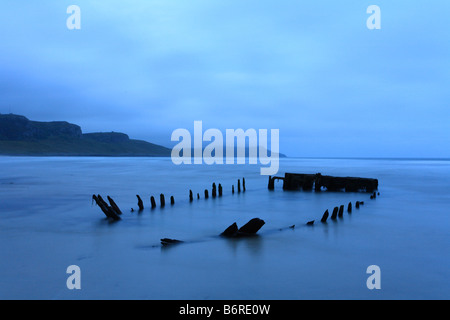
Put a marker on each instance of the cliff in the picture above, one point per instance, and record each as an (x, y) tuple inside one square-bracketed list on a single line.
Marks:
[(19, 128), (21, 136)]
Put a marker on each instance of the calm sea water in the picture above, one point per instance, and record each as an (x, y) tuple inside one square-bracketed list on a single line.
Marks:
[(48, 222)]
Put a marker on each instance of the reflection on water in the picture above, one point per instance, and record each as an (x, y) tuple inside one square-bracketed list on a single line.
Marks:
[(49, 222), (251, 245)]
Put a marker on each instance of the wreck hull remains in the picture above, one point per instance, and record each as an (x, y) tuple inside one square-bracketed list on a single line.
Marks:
[(316, 182)]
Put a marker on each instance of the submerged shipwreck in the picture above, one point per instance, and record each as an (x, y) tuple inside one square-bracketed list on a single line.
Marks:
[(319, 182), (291, 181)]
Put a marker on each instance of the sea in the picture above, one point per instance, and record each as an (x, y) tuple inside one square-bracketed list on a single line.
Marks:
[(49, 222)]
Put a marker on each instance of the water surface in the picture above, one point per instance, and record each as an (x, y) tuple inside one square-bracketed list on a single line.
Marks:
[(48, 222)]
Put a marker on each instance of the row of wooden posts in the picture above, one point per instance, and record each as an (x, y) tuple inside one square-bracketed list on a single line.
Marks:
[(112, 211), (252, 227), (162, 201), (217, 191), (339, 211)]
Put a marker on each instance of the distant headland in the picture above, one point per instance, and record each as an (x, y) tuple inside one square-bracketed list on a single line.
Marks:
[(20, 136)]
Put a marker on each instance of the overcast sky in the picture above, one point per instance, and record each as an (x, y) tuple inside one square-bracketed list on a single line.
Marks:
[(311, 69)]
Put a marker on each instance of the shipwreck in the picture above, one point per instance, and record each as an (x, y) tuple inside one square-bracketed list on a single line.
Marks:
[(319, 182)]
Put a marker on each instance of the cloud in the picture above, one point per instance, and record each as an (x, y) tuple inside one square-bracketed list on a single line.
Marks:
[(311, 69)]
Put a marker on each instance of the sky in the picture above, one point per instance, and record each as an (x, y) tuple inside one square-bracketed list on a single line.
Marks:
[(311, 69)]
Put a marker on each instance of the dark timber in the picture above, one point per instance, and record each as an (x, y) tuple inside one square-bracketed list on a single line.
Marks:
[(140, 203), (308, 182), (114, 205), (214, 190), (249, 229), (107, 210), (334, 214), (325, 216), (341, 211), (271, 185)]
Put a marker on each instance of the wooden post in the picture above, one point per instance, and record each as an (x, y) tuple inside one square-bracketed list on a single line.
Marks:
[(271, 185), (243, 184), (114, 205), (153, 202), (206, 194), (239, 186), (349, 207), (172, 200), (341, 211), (198, 196), (191, 197), (325, 216), (220, 190), (232, 189), (140, 203), (162, 200), (214, 192), (334, 214)]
